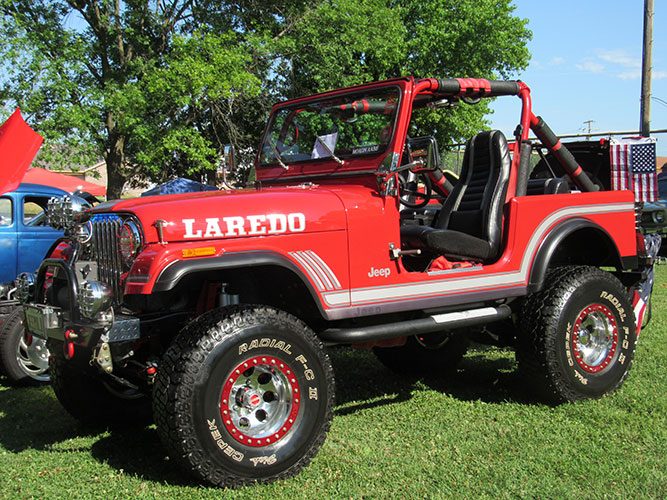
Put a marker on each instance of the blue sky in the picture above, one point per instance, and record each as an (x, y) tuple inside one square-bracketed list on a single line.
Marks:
[(586, 65)]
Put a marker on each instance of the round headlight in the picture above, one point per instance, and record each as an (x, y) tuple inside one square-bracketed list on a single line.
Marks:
[(129, 241), (659, 217), (94, 297), (25, 287)]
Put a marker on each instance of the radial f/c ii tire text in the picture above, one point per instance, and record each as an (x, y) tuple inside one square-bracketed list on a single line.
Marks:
[(577, 335), (244, 394)]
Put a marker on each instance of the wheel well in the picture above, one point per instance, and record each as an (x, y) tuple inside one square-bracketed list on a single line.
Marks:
[(202, 290), (579, 242), (589, 246)]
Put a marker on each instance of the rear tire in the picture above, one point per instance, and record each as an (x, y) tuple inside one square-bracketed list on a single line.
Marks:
[(577, 335), (243, 395)]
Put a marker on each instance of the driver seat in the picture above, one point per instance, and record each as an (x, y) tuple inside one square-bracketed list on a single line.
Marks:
[(468, 227)]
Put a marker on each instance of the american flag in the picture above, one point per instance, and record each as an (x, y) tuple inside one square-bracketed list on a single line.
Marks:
[(633, 167)]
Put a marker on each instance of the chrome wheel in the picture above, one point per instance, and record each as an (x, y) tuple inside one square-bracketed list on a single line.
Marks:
[(33, 357), (595, 338), (260, 401)]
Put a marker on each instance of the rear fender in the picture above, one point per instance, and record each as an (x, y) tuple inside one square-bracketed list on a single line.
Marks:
[(567, 243)]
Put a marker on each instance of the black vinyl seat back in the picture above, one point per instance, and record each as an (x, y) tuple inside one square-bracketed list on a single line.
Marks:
[(475, 206)]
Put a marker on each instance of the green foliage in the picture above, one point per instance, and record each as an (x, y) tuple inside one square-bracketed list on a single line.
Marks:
[(161, 87)]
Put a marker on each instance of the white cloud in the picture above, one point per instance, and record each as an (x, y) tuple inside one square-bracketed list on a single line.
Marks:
[(619, 56), (590, 66), (556, 61), (630, 75), (636, 75)]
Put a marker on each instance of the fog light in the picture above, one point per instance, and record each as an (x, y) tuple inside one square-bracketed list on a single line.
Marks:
[(94, 297), (25, 287)]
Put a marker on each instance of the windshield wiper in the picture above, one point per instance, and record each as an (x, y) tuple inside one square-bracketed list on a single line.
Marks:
[(276, 153), (328, 149)]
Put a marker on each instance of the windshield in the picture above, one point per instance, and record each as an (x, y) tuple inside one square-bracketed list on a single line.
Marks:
[(334, 128)]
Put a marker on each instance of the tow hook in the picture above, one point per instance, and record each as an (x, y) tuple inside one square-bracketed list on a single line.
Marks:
[(68, 345), (151, 372), (103, 358)]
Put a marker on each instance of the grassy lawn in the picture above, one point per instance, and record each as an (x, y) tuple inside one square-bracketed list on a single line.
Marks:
[(477, 435)]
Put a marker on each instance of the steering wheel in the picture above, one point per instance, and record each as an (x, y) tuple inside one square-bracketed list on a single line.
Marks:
[(408, 190)]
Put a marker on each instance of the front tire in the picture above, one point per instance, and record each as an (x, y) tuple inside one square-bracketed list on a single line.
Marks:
[(244, 394), (90, 396), (23, 359), (577, 335)]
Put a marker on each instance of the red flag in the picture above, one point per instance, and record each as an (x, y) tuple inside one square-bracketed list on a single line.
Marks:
[(18, 146)]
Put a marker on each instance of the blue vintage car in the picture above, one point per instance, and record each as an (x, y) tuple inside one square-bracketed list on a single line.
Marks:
[(24, 235)]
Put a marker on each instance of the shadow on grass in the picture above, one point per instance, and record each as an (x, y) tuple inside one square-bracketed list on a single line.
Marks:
[(32, 417), (483, 375), (140, 452)]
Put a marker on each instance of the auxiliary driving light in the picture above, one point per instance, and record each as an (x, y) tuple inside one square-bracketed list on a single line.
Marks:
[(25, 287), (94, 297)]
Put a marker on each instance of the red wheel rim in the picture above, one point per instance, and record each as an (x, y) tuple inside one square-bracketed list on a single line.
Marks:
[(260, 401), (595, 338)]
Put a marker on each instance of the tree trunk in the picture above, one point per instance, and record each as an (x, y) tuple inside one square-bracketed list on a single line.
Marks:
[(115, 160)]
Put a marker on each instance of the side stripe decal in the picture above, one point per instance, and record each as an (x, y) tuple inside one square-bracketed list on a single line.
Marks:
[(433, 288)]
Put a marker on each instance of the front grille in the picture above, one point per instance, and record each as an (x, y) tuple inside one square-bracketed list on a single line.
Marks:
[(106, 252)]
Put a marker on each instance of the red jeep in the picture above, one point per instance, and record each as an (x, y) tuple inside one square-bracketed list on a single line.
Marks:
[(218, 305)]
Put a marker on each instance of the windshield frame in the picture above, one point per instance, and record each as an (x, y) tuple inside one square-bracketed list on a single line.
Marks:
[(341, 159)]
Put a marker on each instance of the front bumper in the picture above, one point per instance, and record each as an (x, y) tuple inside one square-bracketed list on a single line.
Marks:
[(54, 311)]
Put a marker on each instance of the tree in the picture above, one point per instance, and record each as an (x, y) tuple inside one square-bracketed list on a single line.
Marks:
[(108, 76), (354, 41), (161, 86)]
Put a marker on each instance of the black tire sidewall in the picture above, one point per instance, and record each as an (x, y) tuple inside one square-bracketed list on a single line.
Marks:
[(561, 356), (269, 460)]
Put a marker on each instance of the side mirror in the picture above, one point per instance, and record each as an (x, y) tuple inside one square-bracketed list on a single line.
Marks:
[(229, 158), (425, 150), (227, 166)]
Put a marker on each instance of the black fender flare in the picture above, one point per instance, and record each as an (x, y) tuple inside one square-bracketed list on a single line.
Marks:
[(170, 276), (552, 241)]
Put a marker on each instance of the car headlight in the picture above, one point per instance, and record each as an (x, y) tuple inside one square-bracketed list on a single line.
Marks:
[(94, 297), (129, 241), (63, 211), (658, 216)]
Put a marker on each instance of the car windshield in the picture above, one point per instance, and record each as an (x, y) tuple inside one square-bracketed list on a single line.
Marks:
[(334, 128)]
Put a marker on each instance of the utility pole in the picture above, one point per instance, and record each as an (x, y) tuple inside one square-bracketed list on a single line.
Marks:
[(589, 123), (647, 50)]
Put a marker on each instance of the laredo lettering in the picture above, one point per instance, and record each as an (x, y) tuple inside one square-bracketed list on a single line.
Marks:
[(250, 225)]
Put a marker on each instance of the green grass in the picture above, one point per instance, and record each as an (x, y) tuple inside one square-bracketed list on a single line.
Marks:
[(477, 435)]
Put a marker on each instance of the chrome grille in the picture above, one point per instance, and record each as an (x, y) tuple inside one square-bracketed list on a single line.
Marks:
[(106, 252)]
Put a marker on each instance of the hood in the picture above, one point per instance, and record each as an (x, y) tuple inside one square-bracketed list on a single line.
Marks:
[(18, 146), (229, 214)]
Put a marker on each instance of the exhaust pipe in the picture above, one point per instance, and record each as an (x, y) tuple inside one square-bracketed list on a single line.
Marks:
[(430, 324)]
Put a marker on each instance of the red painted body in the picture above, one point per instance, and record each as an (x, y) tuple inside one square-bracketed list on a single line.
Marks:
[(335, 222)]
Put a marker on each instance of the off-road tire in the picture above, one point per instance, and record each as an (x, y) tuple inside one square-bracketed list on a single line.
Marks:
[(201, 396), (557, 350), (23, 364), (90, 396), (429, 355)]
